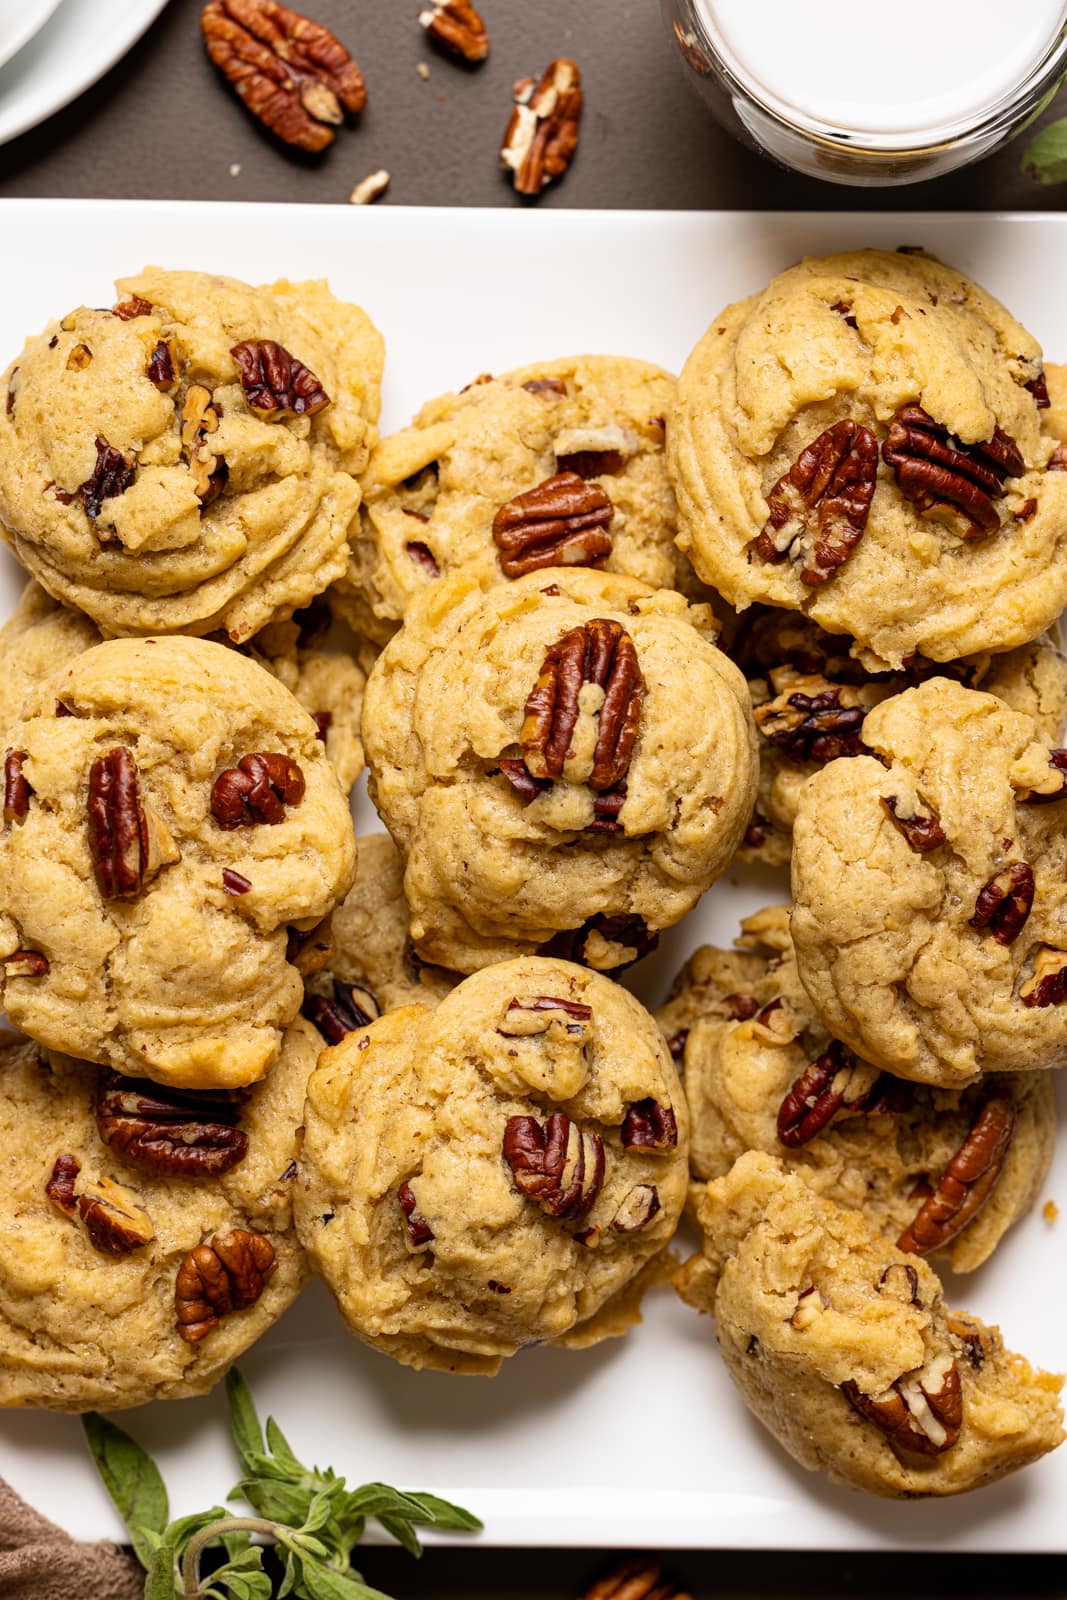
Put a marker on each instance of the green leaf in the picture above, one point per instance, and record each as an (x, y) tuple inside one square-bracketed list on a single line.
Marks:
[(443, 1514), (325, 1583), (242, 1579), (132, 1480), (182, 1529), (400, 1529), (161, 1583), (244, 1423), (280, 1449), (280, 1502), (1045, 157)]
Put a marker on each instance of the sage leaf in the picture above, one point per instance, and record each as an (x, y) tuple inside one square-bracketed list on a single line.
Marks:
[(1045, 157), (244, 1423), (132, 1479)]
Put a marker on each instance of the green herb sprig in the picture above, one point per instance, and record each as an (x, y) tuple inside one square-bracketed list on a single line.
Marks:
[(1045, 157), (310, 1517)]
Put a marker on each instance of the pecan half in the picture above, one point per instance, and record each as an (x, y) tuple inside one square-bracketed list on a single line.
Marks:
[(419, 1231), (836, 1081), (1004, 904), (563, 522), (128, 841), (115, 1223), (256, 790), (637, 1209), (350, 1009), (599, 652), (921, 1414), (966, 1183), (60, 1186), (276, 384), (556, 1164), (819, 508), (542, 134), (922, 833), (457, 27), (163, 366), (200, 419), (17, 789), (1047, 985), (292, 74), (638, 1579), (181, 1133), (649, 1126), (112, 475), (932, 469), (812, 719), (1055, 785), (214, 1279)]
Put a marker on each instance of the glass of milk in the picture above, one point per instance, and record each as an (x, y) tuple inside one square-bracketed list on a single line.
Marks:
[(869, 94)]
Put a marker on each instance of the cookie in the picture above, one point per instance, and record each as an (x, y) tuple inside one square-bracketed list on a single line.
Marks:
[(862, 441), (810, 696), (557, 464), (942, 1171), (930, 890), (186, 462), (492, 1172), (371, 967), (133, 1215), (170, 812), (564, 758), (841, 1345), (37, 640)]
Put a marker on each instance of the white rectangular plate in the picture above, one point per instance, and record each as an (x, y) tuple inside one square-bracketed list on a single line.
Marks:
[(641, 1441)]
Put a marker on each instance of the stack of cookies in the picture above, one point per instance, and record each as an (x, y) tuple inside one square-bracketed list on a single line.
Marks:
[(597, 635)]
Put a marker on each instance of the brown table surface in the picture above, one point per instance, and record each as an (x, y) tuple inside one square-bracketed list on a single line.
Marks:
[(162, 125)]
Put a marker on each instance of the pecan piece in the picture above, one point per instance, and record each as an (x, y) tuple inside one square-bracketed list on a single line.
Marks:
[(1004, 904), (921, 1414), (309, 949), (902, 1281), (256, 790), (422, 555), (818, 510), (557, 1164), (967, 1181), (292, 74), (128, 841), (1055, 785), (276, 384), (200, 418), (922, 833), (1038, 387), (184, 1133), (456, 26), (419, 1230), (350, 1009), (563, 522), (979, 1343), (214, 1279), (594, 943), (809, 1308), (60, 1186), (836, 1081), (26, 964), (79, 358), (638, 1579), (594, 452), (523, 1018), (599, 652), (235, 883), (112, 475), (163, 366), (17, 789), (812, 719), (649, 1126), (1047, 985), (524, 784), (115, 1223), (542, 134), (637, 1209), (128, 310), (934, 469)]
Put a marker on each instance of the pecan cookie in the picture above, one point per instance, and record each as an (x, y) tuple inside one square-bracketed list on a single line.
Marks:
[(810, 696), (560, 464), (563, 758), (149, 1236), (841, 1345), (930, 889), (490, 1173), (37, 640), (169, 814), (186, 461), (863, 441), (942, 1171)]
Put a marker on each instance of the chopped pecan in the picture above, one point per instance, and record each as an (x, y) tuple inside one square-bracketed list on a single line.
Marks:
[(819, 508), (809, 1308), (456, 26), (594, 943), (1055, 785), (17, 790), (966, 1183), (115, 1223), (676, 1044), (812, 726), (163, 366), (563, 522), (922, 1413), (901, 1280), (128, 310), (60, 1186), (419, 1231), (112, 475), (256, 790), (739, 1007), (351, 1008), (292, 74), (309, 949), (1004, 904), (542, 134), (524, 784), (649, 1126), (757, 833), (276, 384), (79, 358), (200, 417), (26, 964), (637, 1209), (547, 389), (214, 1279), (594, 452), (1047, 985), (979, 1343), (128, 841), (922, 832), (523, 1018), (234, 883), (836, 1081), (599, 652), (423, 557), (1038, 387), (183, 1133), (606, 808), (934, 469), (557, 1164)]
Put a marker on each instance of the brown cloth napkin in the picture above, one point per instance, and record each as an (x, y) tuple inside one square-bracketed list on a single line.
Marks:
[(38, 1561)]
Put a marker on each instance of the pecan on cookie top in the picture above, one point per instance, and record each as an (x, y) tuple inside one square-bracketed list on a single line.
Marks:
[(496, 1171), (930, 890), (863, 441), (558, 464), (170, 818), (186, 461), (564, 761)]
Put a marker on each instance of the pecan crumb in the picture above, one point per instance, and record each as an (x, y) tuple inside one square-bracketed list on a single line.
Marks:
[(418, 1229), (370, 188), (60, 1186)]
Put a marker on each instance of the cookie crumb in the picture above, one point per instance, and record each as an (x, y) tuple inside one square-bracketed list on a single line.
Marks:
[(423, 70), (1050, 1211), (235, 169), (372, 187)]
